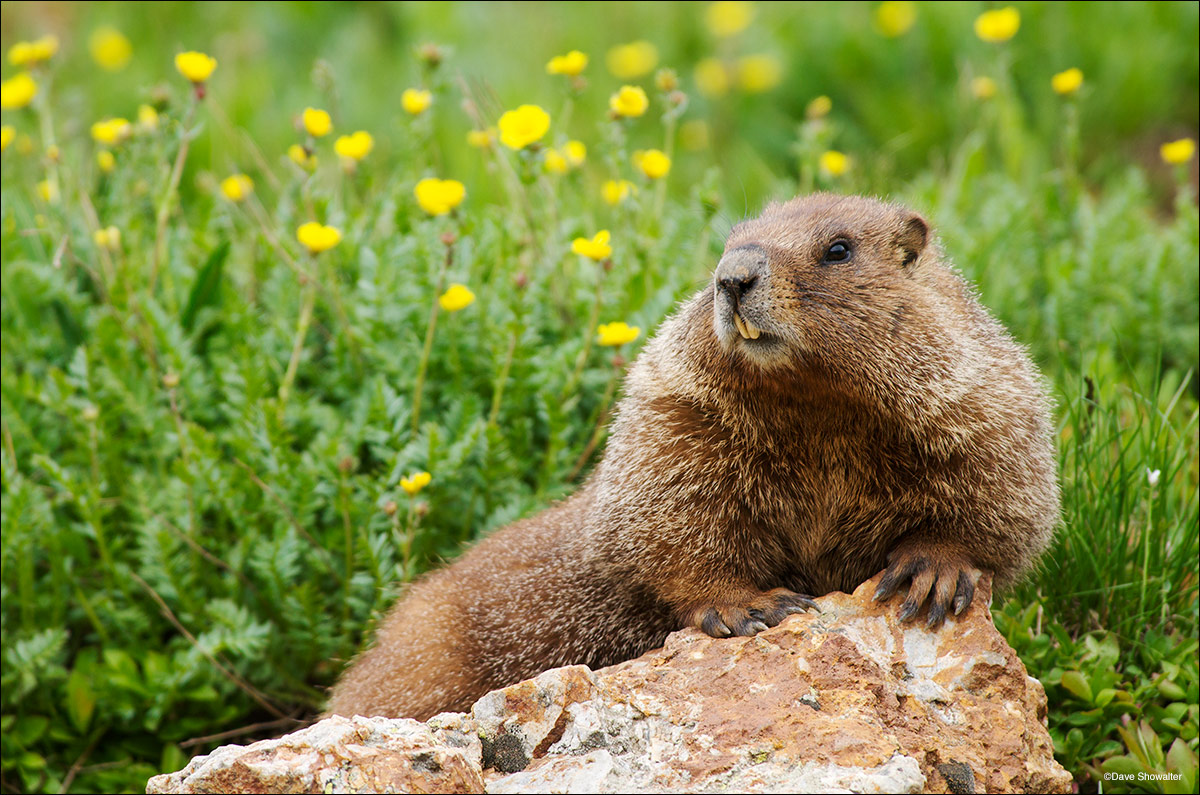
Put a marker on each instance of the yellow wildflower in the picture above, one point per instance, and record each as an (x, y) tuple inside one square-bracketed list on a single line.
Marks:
[(759, 73), (111, 131), (1067, 82), (616, 191), (237, 187), (595, 249), (147, 118), (195, 66), (317, 238), (571, 64), (618, 333), (316, 122), (983, 87), (895, 17), (575, 153), (356, 146), (110, 49), (998, 25), (554, 162), (818, 107), (32, 53), (17, 91), (302, 157), (525, 125), (729, 17), (415, 482), (481, 139), (439, 196), (630, 102), (47, 191), (1178, 152), (105, 161), (627, 61), (653, 163), (833, 163), (712, 78), (456, 297), (109, 238), (53, 153), (416, 100), (7, 133), (693, 135)]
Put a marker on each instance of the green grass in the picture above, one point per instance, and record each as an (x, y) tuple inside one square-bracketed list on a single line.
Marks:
[(185, 557)]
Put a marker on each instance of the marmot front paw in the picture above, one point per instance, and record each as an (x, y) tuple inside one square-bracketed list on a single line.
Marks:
[(763, 611), (946, 581)]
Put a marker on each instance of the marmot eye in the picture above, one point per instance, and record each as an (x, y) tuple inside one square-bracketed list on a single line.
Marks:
[(838, 252)]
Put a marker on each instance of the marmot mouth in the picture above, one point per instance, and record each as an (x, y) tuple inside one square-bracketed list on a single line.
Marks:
[(748, 330)]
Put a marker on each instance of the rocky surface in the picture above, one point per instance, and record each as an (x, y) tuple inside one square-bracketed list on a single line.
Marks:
[(341, 755), (845, 700)]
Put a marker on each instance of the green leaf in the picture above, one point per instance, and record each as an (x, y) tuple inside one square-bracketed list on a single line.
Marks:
[(1182, 760), (1077, 684), (32, 761), (71, 332), (1152, 745), (28, 730), (1123, 766), (1170, 690), (81, 698), (207, 286)]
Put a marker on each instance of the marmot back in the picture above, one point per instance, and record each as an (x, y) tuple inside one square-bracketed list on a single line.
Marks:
[(835, 403)]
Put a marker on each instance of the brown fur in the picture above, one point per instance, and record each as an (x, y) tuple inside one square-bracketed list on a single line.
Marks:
[(883, 420)]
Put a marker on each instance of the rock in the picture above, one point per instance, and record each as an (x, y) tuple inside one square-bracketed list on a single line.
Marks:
[(845, 700), (343, 755)]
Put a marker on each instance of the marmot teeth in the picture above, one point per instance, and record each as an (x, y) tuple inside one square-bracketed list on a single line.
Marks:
[(747, 329)]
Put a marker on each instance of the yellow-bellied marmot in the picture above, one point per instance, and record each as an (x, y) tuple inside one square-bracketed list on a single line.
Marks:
[(835, 403)]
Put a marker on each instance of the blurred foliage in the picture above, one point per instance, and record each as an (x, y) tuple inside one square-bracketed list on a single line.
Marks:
[(202, 460)]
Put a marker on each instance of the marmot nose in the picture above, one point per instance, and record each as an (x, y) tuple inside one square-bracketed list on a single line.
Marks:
[(738, 285), (740, 269)]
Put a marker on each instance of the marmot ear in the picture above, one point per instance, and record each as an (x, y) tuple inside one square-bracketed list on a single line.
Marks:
[(913, 236)]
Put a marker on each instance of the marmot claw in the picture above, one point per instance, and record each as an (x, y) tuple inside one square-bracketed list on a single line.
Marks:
[(946, 582), (764, 611)]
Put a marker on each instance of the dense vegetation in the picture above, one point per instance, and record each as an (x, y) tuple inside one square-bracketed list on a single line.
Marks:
[(210, 429)]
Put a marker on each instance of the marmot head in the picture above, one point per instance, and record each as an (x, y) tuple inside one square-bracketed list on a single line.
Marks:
[(818, 279)]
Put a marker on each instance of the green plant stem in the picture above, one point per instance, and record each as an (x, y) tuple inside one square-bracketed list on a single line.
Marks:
[(1146, 533), (348, 531), (593, 321), (181, 432), (308, 300), (410, 533), (598, 428), (164, 205), (502, 379), (429, 332), (564, 115), (46, 128), (660, 190)]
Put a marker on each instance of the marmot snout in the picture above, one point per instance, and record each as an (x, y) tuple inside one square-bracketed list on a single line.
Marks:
[(835, 403)]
